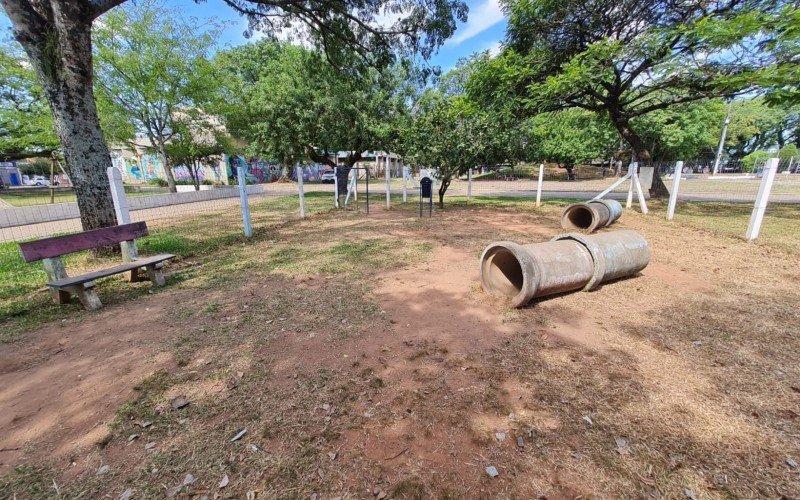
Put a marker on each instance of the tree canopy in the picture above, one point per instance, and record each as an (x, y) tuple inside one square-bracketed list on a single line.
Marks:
[(289, 104)]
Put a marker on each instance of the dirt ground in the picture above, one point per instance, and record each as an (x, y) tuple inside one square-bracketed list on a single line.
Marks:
[(395, 375)]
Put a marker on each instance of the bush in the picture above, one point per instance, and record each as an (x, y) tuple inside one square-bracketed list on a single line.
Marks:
[(206, 182), (157, 182)]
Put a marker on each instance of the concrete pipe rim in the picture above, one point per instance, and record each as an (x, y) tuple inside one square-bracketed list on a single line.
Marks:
[(508, 270), (597, 257), (580, 217)]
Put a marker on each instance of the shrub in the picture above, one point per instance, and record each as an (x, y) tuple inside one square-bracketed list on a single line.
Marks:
[(157, 182)]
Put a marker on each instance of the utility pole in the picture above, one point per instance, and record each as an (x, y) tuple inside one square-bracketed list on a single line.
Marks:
[(718, 158)]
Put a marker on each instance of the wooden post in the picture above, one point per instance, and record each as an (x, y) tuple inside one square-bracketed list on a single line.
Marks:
[(539, 185), (757, 217), (388, 184), (248, 230), (639, 193), (673, 196), (629, 201), (300, 194), (469, 186), (336, 187), (129, 252)]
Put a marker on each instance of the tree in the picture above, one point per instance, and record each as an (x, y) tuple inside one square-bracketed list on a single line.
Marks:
[(56, 35), (197, 141), (568, 138), (26, 125), (150, 65), (626, 58), (288, 103), (451, 134)]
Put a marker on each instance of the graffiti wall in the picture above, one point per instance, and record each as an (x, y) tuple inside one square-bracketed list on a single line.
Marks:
[(257, 169), (311, 173)]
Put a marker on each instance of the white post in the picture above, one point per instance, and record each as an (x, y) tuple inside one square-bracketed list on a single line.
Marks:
[(762, 199), (300, 193), (639, 193), (388, 186), (673, 196), (631, 169), (129, 252), (336, 187), (405, 182), (469, 187), (611, 187), (539, 185), (240, 171)]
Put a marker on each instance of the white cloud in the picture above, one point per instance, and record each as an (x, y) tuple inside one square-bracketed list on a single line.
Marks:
[(494, 48), (481, 18)]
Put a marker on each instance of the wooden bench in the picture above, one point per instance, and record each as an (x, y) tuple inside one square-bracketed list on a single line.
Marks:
[(50, 250)]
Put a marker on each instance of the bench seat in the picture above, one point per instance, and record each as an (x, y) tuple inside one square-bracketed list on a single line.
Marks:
[(66, 283)]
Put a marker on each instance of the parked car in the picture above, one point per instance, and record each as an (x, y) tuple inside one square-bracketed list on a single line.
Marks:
[(39, 180), (327, 176)]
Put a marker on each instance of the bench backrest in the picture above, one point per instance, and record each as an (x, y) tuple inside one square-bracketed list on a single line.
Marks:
[(47, 248)]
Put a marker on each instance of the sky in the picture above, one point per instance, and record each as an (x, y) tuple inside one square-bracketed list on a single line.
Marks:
[(483, 30)]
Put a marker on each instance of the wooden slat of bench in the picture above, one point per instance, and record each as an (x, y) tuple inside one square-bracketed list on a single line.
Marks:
[(102, 273), (56, 246)]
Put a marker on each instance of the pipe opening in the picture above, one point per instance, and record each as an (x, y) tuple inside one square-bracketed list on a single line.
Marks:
[(502, 272), (580, 217)]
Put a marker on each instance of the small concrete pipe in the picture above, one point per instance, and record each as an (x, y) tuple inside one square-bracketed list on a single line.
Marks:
[(568, 262), (589, 216), (614, 209)]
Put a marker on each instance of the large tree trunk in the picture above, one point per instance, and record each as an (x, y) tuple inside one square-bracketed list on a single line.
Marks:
[(641, 154), (57, 39)]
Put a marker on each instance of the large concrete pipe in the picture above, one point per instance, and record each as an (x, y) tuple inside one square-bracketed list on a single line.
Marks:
[(591, 215), (568, 262)]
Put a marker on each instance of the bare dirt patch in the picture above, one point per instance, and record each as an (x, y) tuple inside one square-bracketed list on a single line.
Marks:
[(362, 358)]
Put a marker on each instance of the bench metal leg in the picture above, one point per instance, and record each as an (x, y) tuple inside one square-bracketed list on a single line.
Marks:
[(86, 295), (155, 274)]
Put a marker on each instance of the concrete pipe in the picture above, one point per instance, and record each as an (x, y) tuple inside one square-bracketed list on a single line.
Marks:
[(591, 215), (584, 217), (616, 254), (522, 272), (568, 262), (614, 209)]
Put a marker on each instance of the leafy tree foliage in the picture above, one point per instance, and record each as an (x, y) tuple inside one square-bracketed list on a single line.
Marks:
[(151, 65), (568, 138), (57, 37), (26, 124), (626, 59), (451, 134), (289, 104), (197, 141)]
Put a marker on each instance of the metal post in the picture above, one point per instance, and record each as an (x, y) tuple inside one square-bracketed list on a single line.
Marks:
[(469, 187), (718, 158), (300, 193), (673, 196), (762, 199), (367, 200), (121, 210), (240, 172), (336, 187), (52, 179), (388, 187), (629, 201), (539, 185)]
